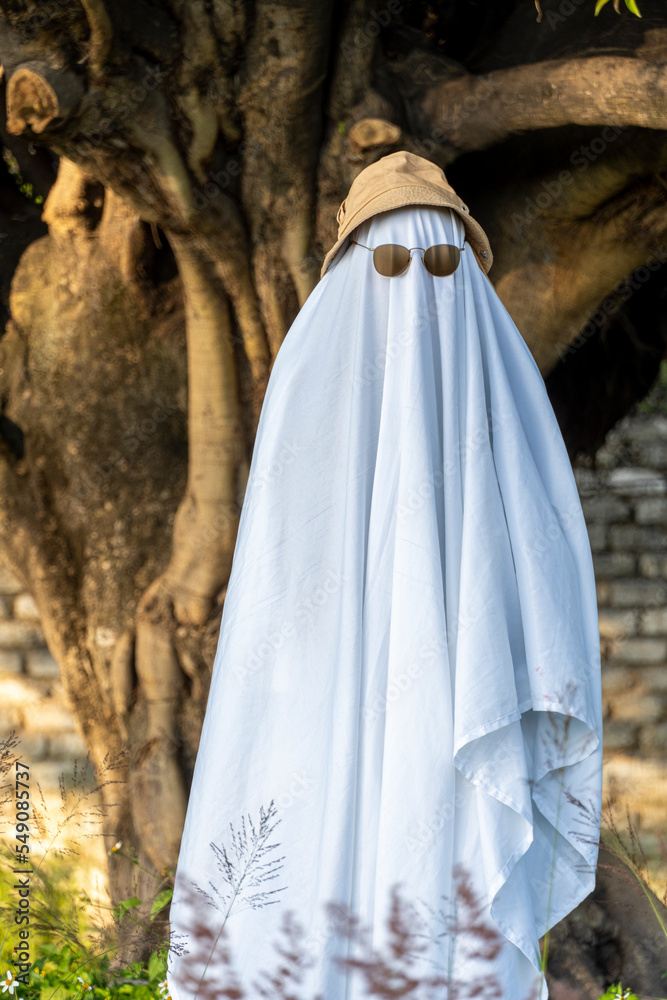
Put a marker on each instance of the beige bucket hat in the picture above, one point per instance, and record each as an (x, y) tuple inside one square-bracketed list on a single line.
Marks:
[(397, 180)]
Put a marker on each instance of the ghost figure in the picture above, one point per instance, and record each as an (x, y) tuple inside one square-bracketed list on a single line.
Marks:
[(399, 773)]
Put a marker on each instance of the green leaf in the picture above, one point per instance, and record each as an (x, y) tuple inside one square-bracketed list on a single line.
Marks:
[(616, 992), (125, 904), (54, 993), (155, 967), (160, 902), (630, 4)]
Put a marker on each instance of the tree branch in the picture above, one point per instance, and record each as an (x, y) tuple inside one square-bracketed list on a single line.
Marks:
[(155, 773), (37, 94), (101, 33), (200, 62), (65, 208), (476, 112)]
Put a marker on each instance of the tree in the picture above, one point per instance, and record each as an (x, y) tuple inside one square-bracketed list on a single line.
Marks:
[(193, 156)]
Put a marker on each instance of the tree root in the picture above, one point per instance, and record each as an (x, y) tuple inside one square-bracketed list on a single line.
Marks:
[(207, 519)]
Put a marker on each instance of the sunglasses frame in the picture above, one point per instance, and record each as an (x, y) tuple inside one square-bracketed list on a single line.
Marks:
[(410, 249)]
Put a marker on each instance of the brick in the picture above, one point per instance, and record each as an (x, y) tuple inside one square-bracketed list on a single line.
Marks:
[(597, 536), (647, 428), (606, 458), (635, 481), (67, 746), (638, 779), (31, 747), (48, 716), (608, 565), (10, 720), (636, 593), (637, 537), (654, 622), (20, 635), (653, 564), (651, 677), (48, 774), (11, 662), (639, 708), (20, 690), (637, 649), (25, 608), (617, 679), (640, 787), (605, 507), (603, 592), (652, 453), (651, 510), (619, 736), (40, 663), (9, 584), (653, 739), (587, 480), (618, 623)]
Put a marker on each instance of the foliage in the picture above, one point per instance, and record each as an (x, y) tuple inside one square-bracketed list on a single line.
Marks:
[(617, 992), (599, 4), (25, 187), (656, 400), (73, 949), (630, 4), (60, 973), (70, 944)]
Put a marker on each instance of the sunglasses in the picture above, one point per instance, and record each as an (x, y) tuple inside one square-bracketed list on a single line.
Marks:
[(390, 259)]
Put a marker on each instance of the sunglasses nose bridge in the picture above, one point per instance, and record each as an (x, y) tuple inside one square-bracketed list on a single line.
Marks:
[(416, 254)]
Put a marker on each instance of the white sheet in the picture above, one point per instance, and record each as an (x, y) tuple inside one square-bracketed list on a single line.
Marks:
[(408, 664)]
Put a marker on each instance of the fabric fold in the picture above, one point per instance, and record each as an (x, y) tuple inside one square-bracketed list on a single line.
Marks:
[(407, 681)]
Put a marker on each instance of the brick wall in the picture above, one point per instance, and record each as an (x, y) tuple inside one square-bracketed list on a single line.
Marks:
[(35, 708), (625, 505)]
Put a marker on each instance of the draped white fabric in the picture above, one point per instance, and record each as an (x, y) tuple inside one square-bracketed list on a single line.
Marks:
[(407, 680)]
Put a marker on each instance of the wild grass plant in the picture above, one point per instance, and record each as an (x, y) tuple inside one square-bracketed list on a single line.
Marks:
[(389, 971), (628, 850), (74, 947), (73, 938)]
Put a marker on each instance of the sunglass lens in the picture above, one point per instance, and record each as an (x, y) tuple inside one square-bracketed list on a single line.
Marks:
[(442, 259), (391, 259)]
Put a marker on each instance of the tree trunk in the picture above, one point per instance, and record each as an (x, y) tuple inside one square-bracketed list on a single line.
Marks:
[(202, 151)]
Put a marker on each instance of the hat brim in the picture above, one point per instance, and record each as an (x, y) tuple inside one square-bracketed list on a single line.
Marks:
[(413, 195)]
